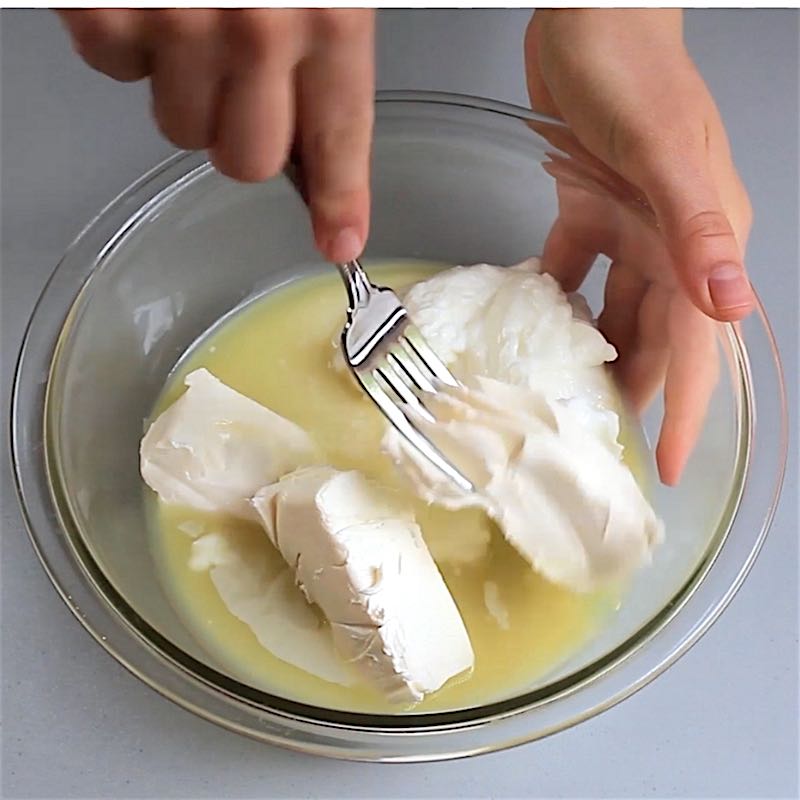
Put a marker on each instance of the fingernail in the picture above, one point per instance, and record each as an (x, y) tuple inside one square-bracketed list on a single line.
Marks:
[(729, 287), (345, 245)]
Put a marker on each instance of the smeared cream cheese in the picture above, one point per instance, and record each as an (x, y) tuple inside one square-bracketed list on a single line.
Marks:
[(513, 324), (534, 426), (214, 448), (264, 596), (562, 497), (363, 561)]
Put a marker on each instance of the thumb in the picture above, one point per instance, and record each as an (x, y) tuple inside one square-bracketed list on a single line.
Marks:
[(700, 238)]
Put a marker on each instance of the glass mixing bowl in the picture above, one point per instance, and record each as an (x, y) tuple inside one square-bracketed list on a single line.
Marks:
[(458, 180)]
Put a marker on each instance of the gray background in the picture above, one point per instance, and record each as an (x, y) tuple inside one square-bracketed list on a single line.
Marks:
[(722, 722)]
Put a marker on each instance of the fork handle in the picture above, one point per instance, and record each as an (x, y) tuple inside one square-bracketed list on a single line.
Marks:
[(357, 283)]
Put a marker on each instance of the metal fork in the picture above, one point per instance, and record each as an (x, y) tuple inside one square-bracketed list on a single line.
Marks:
[(389, 357), (391, 360)]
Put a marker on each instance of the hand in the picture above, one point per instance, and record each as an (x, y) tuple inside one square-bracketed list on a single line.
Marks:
[(249, 85), (670, 213)]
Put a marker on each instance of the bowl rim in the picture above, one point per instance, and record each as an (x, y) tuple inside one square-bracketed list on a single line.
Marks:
[(135, 645)]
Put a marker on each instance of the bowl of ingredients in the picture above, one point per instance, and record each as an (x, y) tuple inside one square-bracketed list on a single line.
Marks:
[(229, 515)]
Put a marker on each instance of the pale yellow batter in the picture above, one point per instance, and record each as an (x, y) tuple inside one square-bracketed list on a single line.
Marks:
[(279, 352)]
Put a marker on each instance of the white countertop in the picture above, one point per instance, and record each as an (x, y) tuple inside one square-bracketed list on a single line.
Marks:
[(721, 722)]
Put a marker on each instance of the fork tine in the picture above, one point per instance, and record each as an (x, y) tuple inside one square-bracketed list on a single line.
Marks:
[(413, 341), (407, 429), (391, 376), (402, 359)]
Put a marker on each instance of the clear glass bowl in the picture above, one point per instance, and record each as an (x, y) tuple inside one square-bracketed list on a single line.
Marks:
[(456, 179)]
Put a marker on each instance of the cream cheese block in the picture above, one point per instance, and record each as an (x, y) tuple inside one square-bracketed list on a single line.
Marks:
[(261, 592), (363, 562), (213, 448)]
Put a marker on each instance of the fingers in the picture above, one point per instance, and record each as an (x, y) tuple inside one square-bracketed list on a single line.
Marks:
[(541, 99), (691, 377), (681, 161), (625, 291), (581, 230), (643, 358), (699, 236), (624, 83), (255, 118), (110, 41), (242, 82), (679, 156), (662, 339), (186, 75), (228, 80), (254, 125), (565, 258), (626, 86), (335, 116)]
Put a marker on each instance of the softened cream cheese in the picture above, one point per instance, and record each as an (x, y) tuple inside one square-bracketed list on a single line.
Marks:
[(357, 557), (534, 427), (363, 561), (214, 448)]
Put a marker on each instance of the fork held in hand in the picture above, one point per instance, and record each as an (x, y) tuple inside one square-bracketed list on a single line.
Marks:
[(389, 356)]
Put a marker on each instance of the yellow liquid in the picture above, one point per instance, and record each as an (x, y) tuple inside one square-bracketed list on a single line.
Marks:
[(279, 351)]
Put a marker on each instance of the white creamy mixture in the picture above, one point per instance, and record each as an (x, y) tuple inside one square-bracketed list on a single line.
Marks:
[(214, 448), (364, 563), (534, 426), (360, 595)]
